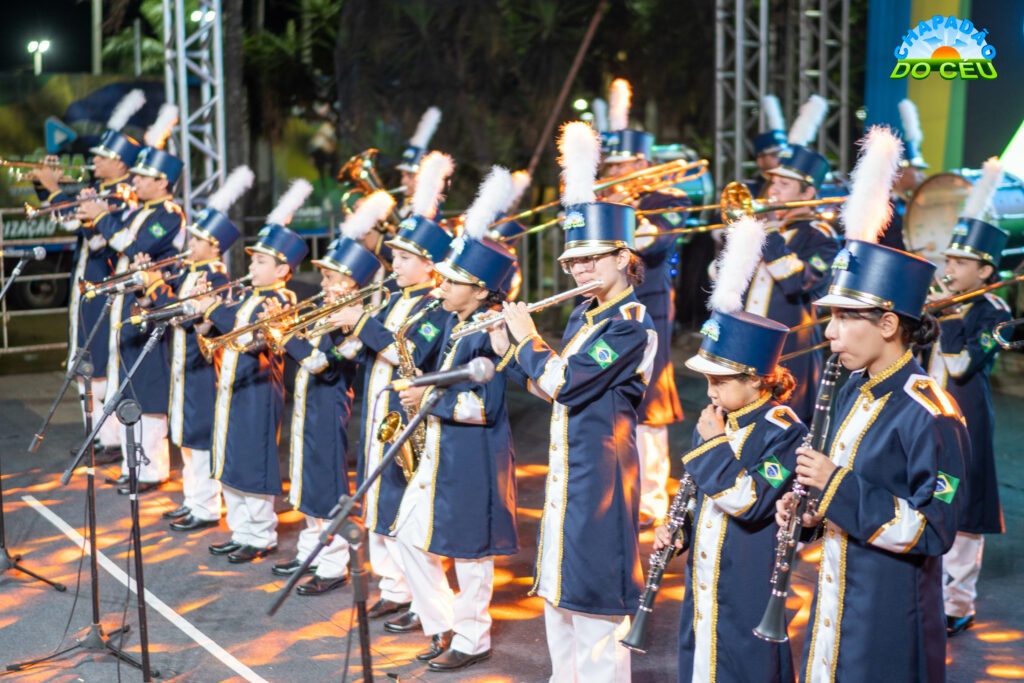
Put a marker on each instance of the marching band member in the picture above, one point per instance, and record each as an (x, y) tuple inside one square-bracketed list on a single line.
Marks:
[(909, 178), (250, 390), (420, 243), (629, 151), (322, 405), (153, 230), (888, 486), (193, 379), (961, 361), (414, 153), (588, 557), (510, 233), (742, 458), (768, 144), (461, 502)]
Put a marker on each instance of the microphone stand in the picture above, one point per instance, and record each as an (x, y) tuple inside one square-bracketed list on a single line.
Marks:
[(8, 561), (354, 533)]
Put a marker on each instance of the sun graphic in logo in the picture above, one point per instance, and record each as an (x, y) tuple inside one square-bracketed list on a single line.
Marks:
[(946, 52)]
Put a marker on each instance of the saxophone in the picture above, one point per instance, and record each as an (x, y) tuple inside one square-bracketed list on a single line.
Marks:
[(409, 456)]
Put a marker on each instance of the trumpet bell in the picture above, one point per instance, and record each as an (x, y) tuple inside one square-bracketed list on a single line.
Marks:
[(737, 202)]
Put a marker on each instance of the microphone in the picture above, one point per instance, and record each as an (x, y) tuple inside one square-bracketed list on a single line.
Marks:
[(34, 254), (186, 309), (476, 370), (118, 286)]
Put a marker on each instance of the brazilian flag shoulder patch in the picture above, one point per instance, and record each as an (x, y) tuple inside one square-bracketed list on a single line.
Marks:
[(946, 486), (986, 341), (673, 218), (157, 230), (603, 354), (428, 331), (819, 264), (773, 471)]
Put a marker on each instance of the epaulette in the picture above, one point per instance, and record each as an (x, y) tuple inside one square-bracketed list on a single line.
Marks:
[(927, 392), (782, 417), (634, 310), (997, 302), (824, 228)]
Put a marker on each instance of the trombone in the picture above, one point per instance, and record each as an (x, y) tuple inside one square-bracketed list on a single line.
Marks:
[(487, 323), (128, 278), (1003, 341), (123, 192), (17, 171), (256, 332), (313, 325)]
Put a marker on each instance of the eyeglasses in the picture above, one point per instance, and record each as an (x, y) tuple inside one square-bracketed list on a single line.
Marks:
[(586, 263)]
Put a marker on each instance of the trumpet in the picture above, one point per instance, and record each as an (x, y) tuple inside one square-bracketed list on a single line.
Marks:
[(314, 324), (488, 323), (360, 173), (18, 171), (129, 279), (122, 192), (179, 310), (258, 333)]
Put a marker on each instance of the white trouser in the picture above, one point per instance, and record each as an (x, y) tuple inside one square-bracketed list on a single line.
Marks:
[(251, 518), (960, 569), (202, 491), (110, 432), (151, 433), (440, 610), (332, 561), (652, 449), (386, 563), (585, 648)]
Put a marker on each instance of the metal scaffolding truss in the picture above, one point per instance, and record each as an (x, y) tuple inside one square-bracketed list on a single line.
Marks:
[(824, 69), (193, 54), (741, 76)]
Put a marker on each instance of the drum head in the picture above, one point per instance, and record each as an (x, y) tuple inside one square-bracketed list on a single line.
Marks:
[(931, 215)]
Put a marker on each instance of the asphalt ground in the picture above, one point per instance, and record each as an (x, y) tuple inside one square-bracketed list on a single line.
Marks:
[(207, 618)]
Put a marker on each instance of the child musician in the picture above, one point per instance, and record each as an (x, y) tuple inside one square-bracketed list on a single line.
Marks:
[(588, 556), (742, 458), (418, 245), (250, 391), (889, 484), (961, 361), (461, 502)]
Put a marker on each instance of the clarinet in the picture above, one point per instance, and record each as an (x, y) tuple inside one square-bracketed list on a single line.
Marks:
[(773, 623), (682, 507)]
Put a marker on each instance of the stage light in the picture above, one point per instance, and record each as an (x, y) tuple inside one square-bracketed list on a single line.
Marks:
[(196, 16), (36, 48)]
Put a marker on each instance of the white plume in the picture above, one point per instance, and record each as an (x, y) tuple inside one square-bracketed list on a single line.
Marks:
[(736, 264), (580, 149), (160, 130), (772, 113), (290, 201), (235, 185), (867, 210), (126, 108), (426, 128), (618, 104), (372, 211), (805, 128), (600, 109), (984, 189), (430, 179), (491, 199), (520, 183), (911, 122)]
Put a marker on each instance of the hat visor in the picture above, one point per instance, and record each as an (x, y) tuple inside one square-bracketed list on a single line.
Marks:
[(445, 270), (196, 231), (774, 149), (589, 250), (784, 172), (103, 152), (704, 366), (841, 301), (267, 251), (620, 157), (408, 168), (399, 242), (147, 171), (961, 253)]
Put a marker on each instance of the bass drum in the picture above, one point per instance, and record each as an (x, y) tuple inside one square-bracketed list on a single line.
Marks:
[(935, 208)]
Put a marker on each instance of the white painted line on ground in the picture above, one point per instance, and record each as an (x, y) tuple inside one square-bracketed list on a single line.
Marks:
[(152, 601)]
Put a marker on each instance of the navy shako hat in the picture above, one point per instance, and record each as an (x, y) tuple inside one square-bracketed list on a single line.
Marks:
[(627, 145), (597, 228), (739, 343), (869, 275), (800, 163), (481, 263), (115, 145), (216, 228), (411, 158), (770, 142), (423, 237), (280, 243), (350, 258), (419, 143), (156, 163), (975, 239), (508, 233), (913, 154)]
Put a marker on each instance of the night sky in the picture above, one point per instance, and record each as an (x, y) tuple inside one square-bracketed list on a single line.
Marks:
[(64, 22)]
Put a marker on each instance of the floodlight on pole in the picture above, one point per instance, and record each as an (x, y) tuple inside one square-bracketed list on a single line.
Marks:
[(36, 48)]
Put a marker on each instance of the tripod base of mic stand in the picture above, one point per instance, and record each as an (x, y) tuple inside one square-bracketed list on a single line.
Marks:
[(8, 561), (92, 640)]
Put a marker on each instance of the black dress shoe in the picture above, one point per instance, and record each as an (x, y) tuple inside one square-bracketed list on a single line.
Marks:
[(224, 548), (144, 486), (288, 568), (403, 623), (956, 625), (108, 455), (248, 553), (318, 586), (120, 481), (383, 607), (439, 642), (178, 512), (190, 523), (453, 659)]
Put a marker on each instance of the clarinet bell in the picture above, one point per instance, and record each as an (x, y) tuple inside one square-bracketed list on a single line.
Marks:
[(636, 639), (773, 623)]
